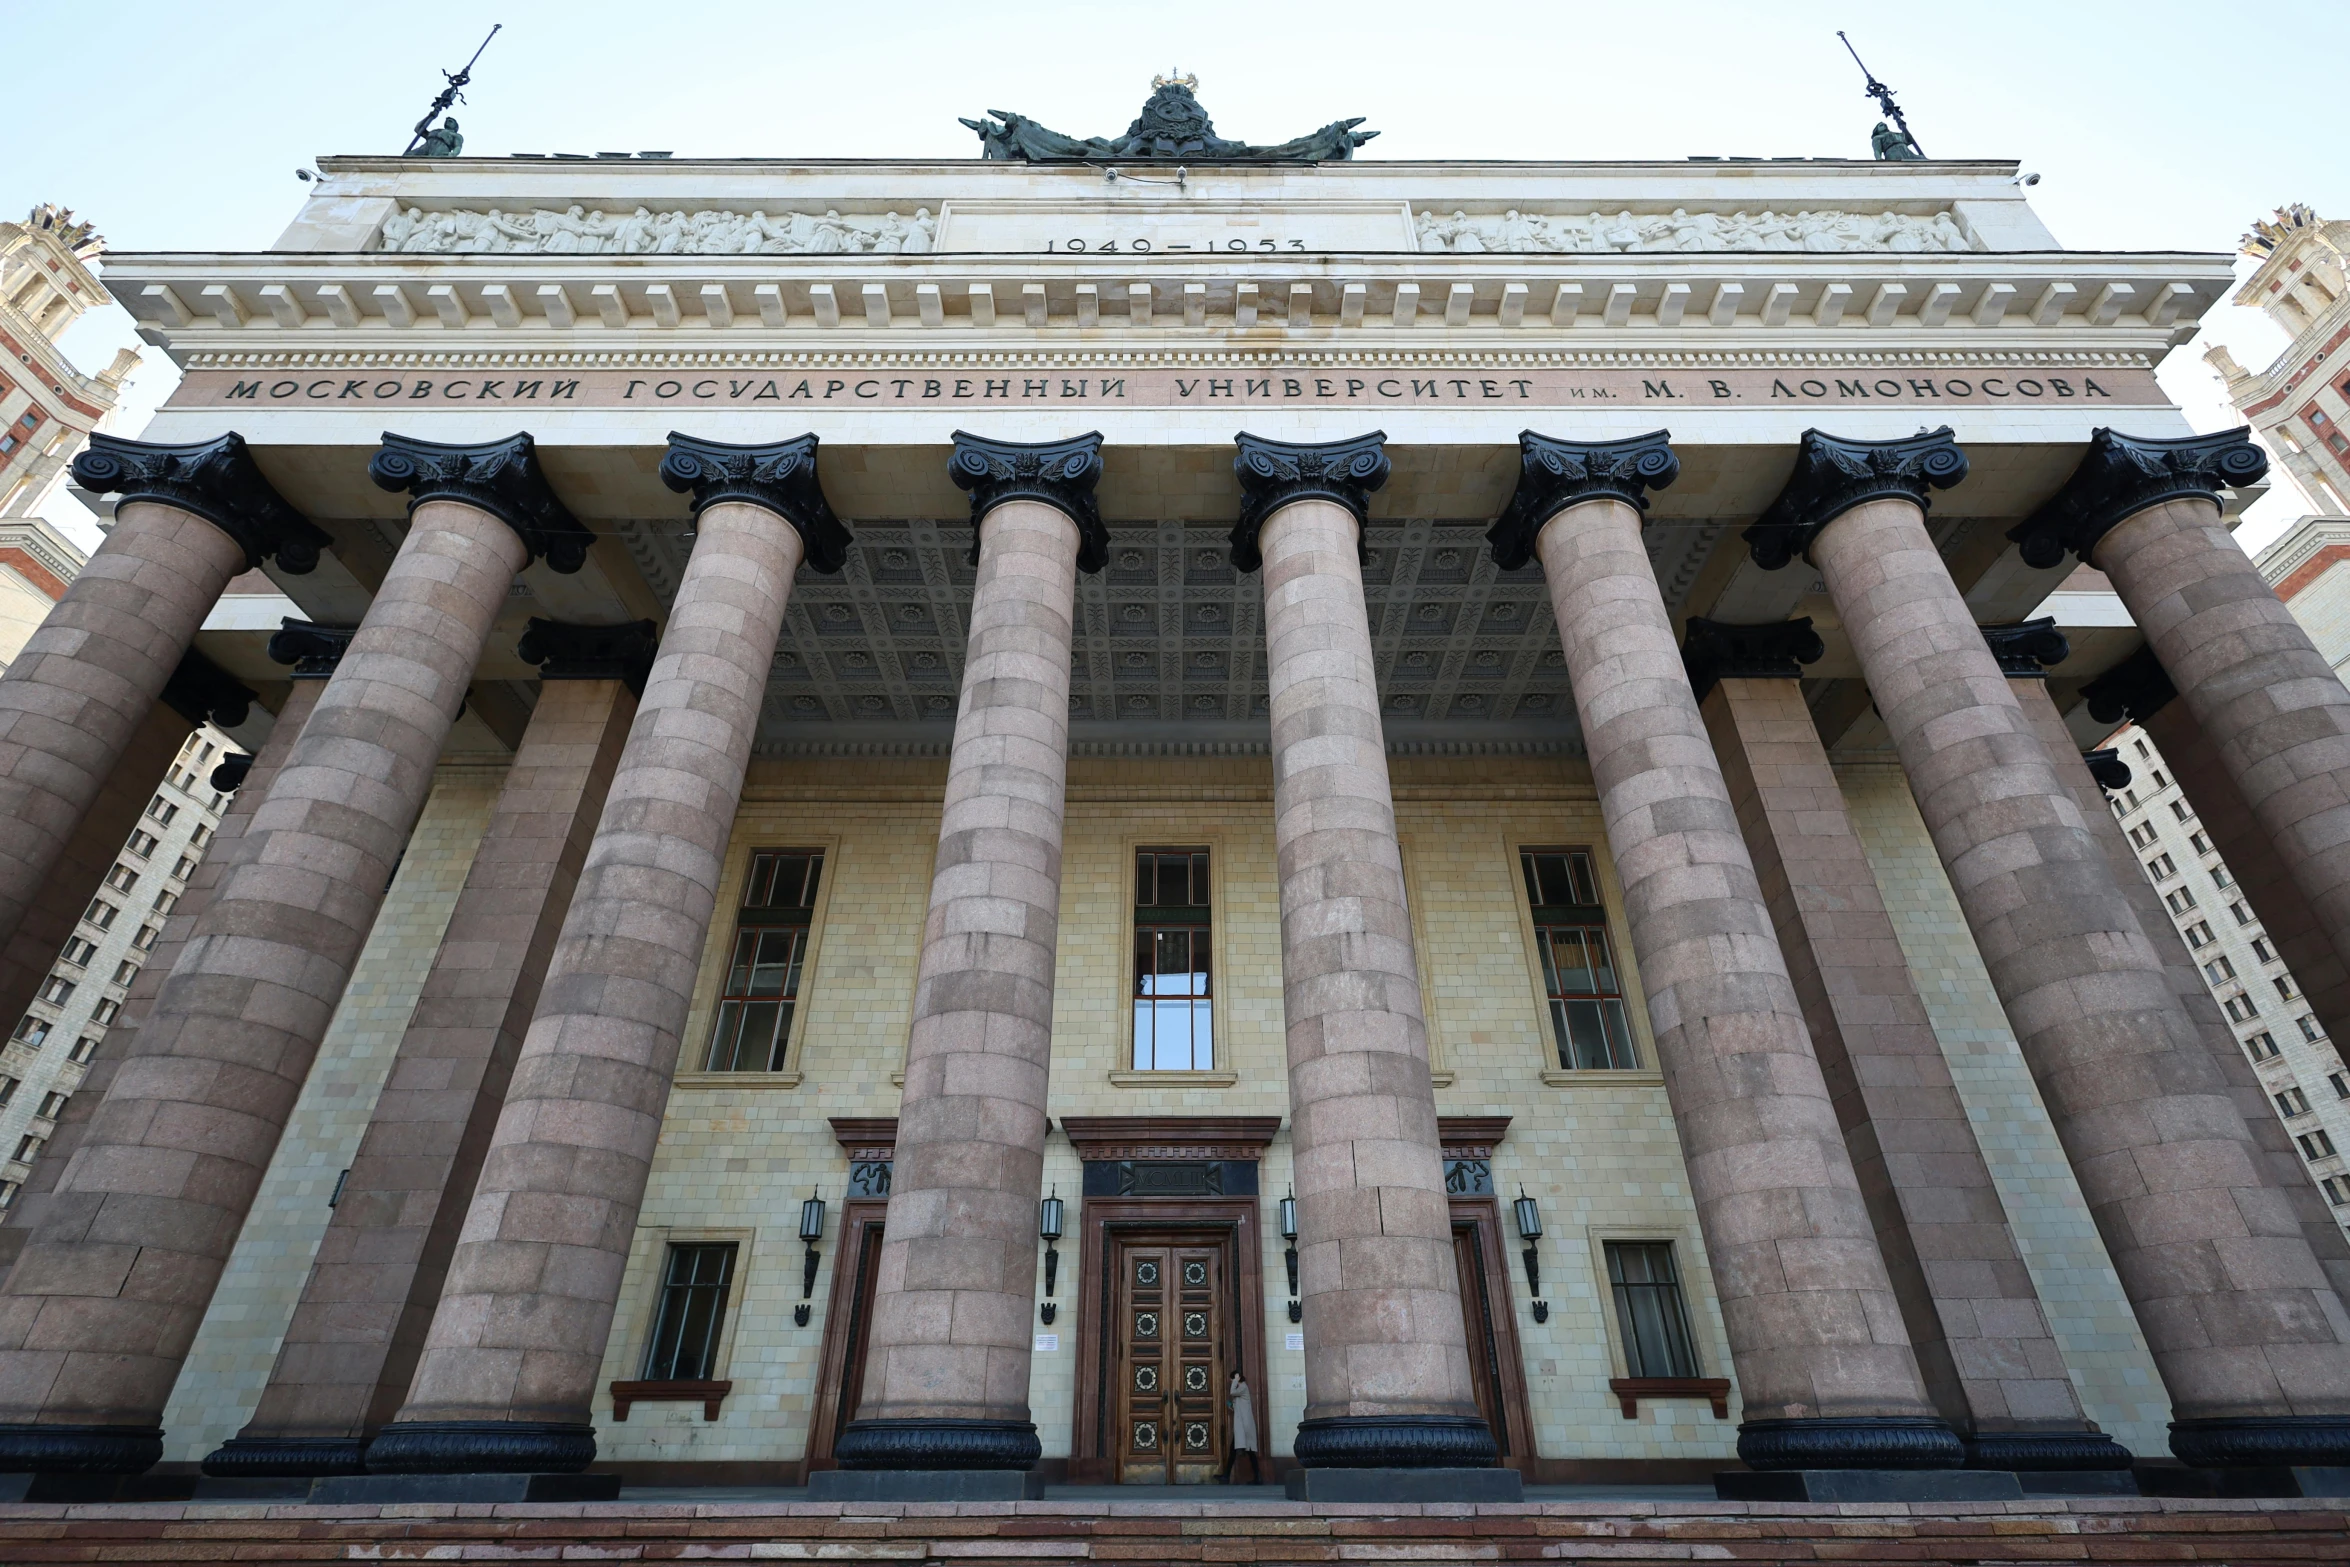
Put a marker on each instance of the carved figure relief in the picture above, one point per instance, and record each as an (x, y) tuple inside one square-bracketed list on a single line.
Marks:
[(579, 232), (1819, 230)]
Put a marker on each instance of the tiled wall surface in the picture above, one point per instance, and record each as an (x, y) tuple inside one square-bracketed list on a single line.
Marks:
[(238, 1342), (2078, 1289), (739, 1153)]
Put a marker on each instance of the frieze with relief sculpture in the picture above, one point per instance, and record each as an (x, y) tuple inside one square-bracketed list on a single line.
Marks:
[(1822, 231), (578, 231)]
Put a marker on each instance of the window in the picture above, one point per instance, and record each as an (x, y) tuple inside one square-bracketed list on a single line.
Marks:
[(2199, 934), (1174, 1010), (52, 1105), (162, 810), (2291, 1102), (125, 971), (164, 901), (2314, 1145), (2262, 951), (2141, 745), (2160, 782), (2243, 915), (2130, 798), (143, 843), (8, 1194), (200, 837), (186, 866), (770, 946), (57, 989), (2239, 1009), (1579, 976), (29, 1145), (2336, 1188), (2309, 1029), (105, 1012), (145, 939), (78, 951), (2219, 969), (30, 1032), (2262, 1045), (2161, 868), (122, 878), (2284, 983), (692, 1314), (2143, 836), (2178, 808), (2220, 877), (1649, 1310), (83, 1048), (101, 913), (2199, 843), (8, 1088), (2180, 901)]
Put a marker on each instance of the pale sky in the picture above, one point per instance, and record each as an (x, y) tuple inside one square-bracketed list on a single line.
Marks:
[(2156, 125)]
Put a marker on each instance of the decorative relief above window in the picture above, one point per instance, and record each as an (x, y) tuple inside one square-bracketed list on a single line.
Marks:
[(1825, 230)]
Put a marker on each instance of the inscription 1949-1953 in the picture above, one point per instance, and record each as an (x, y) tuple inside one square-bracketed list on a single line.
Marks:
[(1163, 388)]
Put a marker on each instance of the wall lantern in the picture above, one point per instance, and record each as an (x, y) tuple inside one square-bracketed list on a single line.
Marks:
[(1048, 1225), (1289, 1233), (811, 1231), (1529, 1219)]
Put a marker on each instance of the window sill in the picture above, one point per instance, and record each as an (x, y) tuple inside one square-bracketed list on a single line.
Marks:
[(1602, 1077), (707, 1394), (1173, 1079), (1630, 1391), (738, 1080)]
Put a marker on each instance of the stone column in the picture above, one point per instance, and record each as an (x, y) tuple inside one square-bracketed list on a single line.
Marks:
[(1388, 1383), (97, 1315), (351, 1348), (198, 692), (2137, 689), (509, 1363), (1990, 1363), (946, 1367), (250, 788), (2268, 706), (2252, 1343), (2286, 1169), (1823, 1362), (190, 518)]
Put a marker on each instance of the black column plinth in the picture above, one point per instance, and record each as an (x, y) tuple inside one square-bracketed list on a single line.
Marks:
[(254, 1457), (1396, 1442), (2263, 1442), (460, 1447), (938, 1444), (1851, 1442), (62, 1449), (2036, 1451)]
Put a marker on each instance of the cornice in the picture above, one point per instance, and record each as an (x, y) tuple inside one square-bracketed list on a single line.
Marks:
[(1097, 1137)]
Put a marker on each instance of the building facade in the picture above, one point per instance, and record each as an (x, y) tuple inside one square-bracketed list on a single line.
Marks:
[(49, 406), (846, 882)]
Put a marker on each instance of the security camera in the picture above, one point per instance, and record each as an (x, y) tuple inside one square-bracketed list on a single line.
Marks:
[(2027, 181), (305, 175)]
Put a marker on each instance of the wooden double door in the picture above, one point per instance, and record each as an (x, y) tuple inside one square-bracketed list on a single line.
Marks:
[(1172, 1329)]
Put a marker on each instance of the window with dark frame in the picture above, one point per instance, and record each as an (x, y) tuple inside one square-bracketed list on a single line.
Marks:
[(1650, 1311), (1174, 1005), (692, 1315), (1579, 976), (770, 950)]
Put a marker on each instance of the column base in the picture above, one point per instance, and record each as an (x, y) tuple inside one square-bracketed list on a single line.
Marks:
[(253, 1457), (481, 1447), (2245, 1480), (2263, 1442), (1867, 1485), (395, 1489), (1381, 1486), (920, 1444), (925, 1485), (1396, 1442), (1870, 1442), (63, 1449), (2046, 1450)]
